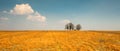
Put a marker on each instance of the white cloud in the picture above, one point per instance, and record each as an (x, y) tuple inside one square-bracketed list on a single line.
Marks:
[(3, 19), (22, 9), (65, 21), (5, 12), (36, 17), (26, 9)]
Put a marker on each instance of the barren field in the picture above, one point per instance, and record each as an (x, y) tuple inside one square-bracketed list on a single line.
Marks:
[(59, 40)]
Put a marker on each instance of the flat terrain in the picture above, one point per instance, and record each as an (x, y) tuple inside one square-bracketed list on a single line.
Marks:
[(59, 40)]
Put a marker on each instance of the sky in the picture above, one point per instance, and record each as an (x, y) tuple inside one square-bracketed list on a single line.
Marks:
[(54, 14)]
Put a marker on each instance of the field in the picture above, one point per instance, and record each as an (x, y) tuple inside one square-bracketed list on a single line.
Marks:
[(59, 40)]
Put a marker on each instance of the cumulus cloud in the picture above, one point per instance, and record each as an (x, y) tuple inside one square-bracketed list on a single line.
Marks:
[(26, 9), (36, 17), (3, 19), (22, 9)]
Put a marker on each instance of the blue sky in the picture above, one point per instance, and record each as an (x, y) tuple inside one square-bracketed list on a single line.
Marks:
[(54, 14)]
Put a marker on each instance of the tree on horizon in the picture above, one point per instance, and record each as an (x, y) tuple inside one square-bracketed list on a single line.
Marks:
[(78, 27), (69, 26)]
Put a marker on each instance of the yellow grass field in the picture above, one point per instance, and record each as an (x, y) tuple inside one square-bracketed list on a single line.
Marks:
[(59, 40)]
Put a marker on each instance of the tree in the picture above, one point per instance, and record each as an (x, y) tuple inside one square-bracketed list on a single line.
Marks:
[(78, 27), (69, 26), (66, 26)]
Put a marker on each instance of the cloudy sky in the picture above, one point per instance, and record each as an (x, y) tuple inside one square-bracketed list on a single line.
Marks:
[(54, 14)]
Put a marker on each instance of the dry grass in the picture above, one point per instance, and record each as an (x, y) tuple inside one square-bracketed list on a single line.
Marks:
[(59, 41)]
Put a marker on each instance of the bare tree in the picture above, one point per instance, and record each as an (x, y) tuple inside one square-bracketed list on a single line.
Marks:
[(78, 27)]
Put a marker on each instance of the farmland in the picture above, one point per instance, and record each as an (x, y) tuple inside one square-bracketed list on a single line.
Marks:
[(59, 40)]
